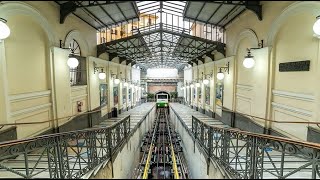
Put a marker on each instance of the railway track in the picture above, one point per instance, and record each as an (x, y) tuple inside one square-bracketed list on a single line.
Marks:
[(161, 152)]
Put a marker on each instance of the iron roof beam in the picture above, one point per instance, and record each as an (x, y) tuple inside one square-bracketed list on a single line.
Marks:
[(213, 13), (96, 18)]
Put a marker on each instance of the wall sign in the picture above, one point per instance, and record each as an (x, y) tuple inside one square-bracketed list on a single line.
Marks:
[(295, 66)]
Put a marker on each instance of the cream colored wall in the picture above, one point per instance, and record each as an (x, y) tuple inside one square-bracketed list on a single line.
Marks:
[(248, 20), (302, 83), (209, 71), (27, 70), (61, 84), (263, 91), (51, 11), (34, 83)]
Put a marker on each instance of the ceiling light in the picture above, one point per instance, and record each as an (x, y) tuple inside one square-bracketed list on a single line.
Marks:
[(198, 84), (206, 81), (125, 84)]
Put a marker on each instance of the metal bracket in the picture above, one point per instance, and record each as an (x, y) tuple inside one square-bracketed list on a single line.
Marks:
[(121, 59), (66, 9), (255, 7), (112, 55)]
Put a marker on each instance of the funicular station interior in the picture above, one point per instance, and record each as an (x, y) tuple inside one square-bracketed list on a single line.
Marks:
[(160, 89)]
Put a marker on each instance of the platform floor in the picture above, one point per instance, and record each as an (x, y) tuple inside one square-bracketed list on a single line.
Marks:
[(186, 114), (136, 114)]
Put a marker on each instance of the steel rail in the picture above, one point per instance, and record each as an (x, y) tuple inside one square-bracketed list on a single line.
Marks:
[(174, 163), (146, 168)]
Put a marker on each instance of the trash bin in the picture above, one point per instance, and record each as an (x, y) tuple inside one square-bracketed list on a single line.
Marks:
[(114, 112)]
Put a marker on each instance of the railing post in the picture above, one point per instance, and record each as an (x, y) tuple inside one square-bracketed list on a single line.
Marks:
[(92, 149), (225, 146), (61, 153), (110, 149), (52, 159), (210, 133), (254, 155)]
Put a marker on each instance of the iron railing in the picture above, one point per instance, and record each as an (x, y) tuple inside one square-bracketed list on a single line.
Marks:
[(250, 155), (168, 21), (62, 155)]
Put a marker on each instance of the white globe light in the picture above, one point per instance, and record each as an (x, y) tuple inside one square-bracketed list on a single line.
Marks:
[(125, 84), (142, 89), (248, 62), (117, 81), (72, 62), (131, 85), (191, 85), (206, 81), (4, 29), (220, 76), (102, 75), (187, 86), (316, 27), (198, 84)]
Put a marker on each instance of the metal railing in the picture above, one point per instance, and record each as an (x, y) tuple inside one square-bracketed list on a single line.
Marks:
[(167, 21), (62, 155), (250, 155)]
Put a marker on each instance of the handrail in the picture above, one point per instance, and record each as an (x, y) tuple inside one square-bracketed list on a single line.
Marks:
[(266, 136), (46, 136), (250, 155)]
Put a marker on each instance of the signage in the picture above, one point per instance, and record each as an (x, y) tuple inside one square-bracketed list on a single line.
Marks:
[(295, 66)]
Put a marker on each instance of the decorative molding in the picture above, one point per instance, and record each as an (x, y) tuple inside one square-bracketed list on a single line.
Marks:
[(243, 96), (78, 88), (8, 9), (31, 109), (292, 95), (245, 87), (77, 35), (246, 33), (28, 96), (79, 97), (292, 109), (312, 7)]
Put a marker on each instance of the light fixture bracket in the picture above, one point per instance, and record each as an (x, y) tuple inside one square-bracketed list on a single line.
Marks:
[(96, 69), (226, 68), (3, 20)]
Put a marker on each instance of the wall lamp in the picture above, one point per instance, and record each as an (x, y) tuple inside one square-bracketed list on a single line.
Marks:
[(316, 26), (220, 74), (205, 80), (4, 29), (125, 83), (248, 61), (72, 61), (116, 80), (102, 75)]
